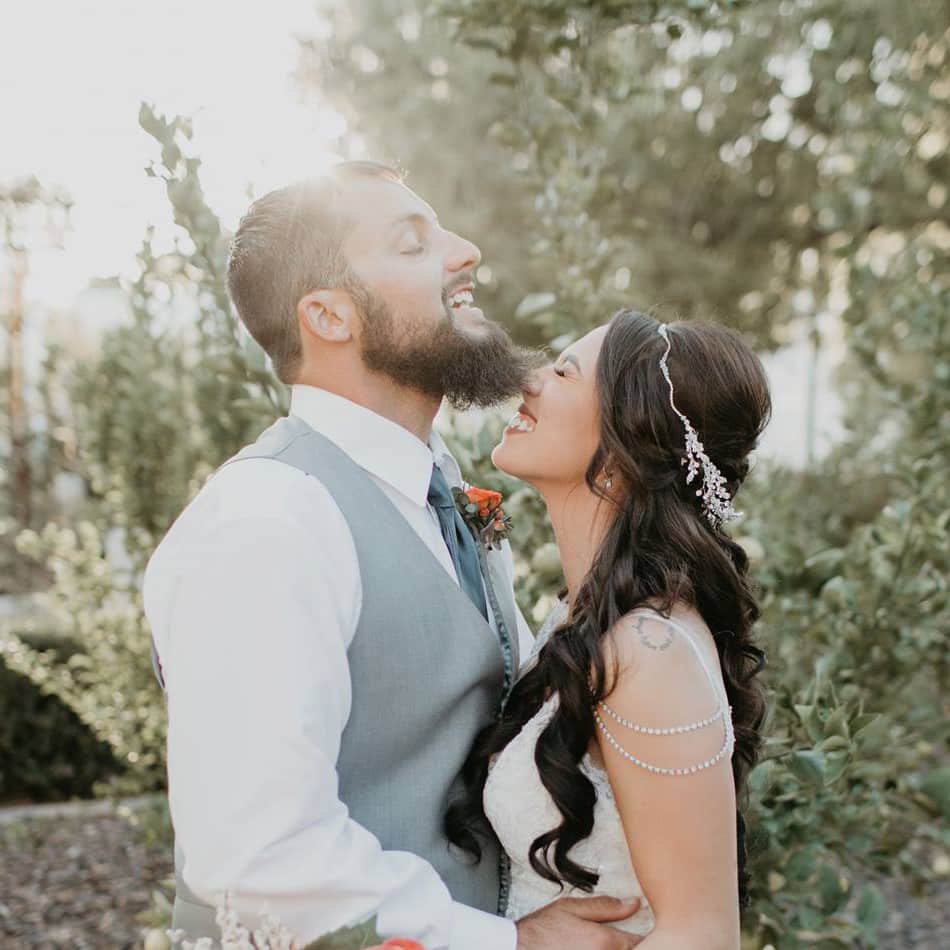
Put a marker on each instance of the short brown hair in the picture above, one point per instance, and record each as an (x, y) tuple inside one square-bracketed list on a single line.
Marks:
[(289, 243)]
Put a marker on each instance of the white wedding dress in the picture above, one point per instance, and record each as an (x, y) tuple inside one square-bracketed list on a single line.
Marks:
[(520, 809)]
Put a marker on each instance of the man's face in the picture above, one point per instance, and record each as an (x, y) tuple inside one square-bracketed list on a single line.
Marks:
[(420, 324)]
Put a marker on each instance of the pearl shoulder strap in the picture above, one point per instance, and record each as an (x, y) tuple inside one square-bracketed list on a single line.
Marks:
[(723, 712)]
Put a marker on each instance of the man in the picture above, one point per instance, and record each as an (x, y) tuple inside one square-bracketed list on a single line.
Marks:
[(330, 634)]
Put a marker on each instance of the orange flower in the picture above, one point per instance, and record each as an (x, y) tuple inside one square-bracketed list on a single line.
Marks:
[(400, 943), (486, 500), (482, 511)]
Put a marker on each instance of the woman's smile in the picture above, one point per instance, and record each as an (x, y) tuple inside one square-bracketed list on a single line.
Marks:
[(522, 421)]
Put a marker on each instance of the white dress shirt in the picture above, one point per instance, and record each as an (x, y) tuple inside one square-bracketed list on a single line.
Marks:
[(253, 598)]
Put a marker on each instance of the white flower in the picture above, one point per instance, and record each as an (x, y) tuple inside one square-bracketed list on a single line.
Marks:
[(272, 935)]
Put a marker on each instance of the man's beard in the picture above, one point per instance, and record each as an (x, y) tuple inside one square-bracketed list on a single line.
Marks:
[(442, 360)]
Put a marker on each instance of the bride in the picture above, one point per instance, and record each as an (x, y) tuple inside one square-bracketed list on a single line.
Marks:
[(609, 772)]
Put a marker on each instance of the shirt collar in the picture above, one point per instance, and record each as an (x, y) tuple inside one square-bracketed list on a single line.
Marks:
[(446, 461), (380, 446)]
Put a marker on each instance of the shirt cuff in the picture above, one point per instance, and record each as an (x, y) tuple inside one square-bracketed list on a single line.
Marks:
[(476, 930)]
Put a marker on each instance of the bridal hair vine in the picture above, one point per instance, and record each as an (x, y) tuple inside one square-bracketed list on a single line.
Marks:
[(717, 504)]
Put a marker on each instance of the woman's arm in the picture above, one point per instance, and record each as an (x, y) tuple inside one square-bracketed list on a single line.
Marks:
[(680, 828)]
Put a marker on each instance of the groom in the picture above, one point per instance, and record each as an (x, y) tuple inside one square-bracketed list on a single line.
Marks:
[(330, 634)]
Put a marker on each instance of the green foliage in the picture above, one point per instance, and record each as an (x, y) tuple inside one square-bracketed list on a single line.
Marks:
[(544, 21), (108, 682), (857, 649), (349, 938), (617, 164), (857, 611), (46, 753), (180, 402), (31, 215), (141, 455)]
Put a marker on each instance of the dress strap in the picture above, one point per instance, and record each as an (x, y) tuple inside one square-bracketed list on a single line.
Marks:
[(723, 712), (689, 638), (724, 750)]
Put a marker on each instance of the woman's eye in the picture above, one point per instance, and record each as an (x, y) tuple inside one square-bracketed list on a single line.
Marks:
[(558, 371)]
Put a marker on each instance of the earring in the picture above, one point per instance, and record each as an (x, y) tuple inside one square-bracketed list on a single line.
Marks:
[(607, 483)]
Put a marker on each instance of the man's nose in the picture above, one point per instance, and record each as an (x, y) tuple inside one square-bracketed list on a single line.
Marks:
[(463, 254)]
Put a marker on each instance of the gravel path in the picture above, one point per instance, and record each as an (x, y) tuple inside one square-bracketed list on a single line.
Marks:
[(75, 880), (77, 876), (915, 923)]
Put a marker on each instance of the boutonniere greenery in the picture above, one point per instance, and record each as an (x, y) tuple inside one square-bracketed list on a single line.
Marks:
[(361, 937), (482, 511)]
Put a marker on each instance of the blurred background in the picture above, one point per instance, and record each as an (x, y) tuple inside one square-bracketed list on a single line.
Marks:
[(781, 167)]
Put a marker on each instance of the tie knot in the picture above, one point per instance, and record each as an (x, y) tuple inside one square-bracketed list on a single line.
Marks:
[(440, 495)]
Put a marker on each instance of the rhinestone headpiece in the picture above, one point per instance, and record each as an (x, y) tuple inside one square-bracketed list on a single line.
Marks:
[(717, 504)]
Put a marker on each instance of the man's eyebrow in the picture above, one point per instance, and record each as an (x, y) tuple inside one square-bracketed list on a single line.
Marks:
[(414, 217)]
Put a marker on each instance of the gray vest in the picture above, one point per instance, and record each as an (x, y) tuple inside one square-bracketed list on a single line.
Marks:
[(427, 674)]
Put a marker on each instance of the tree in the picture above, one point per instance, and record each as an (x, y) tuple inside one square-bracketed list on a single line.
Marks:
[(699, 166), (178, 405), (30, 214)]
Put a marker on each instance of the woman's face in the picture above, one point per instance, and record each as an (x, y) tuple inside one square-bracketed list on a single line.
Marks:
[(552, 439)]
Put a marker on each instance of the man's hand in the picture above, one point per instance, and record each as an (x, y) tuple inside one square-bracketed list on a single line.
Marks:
[(578, 922)]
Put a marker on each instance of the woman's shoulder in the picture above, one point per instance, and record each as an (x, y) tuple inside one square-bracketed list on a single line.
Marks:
[(651, 618), (664, 706), (672, 649)]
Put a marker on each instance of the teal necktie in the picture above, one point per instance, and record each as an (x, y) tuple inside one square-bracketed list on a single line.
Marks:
[(458, 539)]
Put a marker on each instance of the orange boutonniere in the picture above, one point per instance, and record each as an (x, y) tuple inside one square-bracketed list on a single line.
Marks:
[(482, 510)]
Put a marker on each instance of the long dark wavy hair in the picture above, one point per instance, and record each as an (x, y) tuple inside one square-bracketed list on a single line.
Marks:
[(659, 548)]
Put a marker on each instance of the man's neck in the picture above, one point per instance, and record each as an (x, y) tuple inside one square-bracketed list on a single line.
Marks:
[(412, 410)]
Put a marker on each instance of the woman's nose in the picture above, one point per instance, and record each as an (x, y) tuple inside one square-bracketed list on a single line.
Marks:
[(532, 384)]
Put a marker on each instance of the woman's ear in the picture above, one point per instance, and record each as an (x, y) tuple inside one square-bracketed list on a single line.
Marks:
[(609, 478), (329, 315)]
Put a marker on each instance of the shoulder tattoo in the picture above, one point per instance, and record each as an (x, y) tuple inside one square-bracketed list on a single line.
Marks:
[(649, 641)]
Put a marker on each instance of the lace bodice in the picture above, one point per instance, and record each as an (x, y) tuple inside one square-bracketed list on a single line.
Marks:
[(520, 809)]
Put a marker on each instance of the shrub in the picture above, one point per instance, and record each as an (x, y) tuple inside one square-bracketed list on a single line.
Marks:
[(46, 753)]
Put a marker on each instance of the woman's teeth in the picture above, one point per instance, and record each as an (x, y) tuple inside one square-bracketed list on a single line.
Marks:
[(463, 298), (521, 423)]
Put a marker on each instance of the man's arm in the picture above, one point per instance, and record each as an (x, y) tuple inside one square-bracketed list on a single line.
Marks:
[(254, 635)]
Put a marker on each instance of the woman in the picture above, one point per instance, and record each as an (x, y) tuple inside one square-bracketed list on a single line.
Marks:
[(608, 773)]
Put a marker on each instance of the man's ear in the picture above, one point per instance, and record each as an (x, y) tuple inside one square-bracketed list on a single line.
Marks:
[(329, 315)]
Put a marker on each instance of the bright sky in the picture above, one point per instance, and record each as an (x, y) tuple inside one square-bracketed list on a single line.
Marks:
[(72, 76)]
